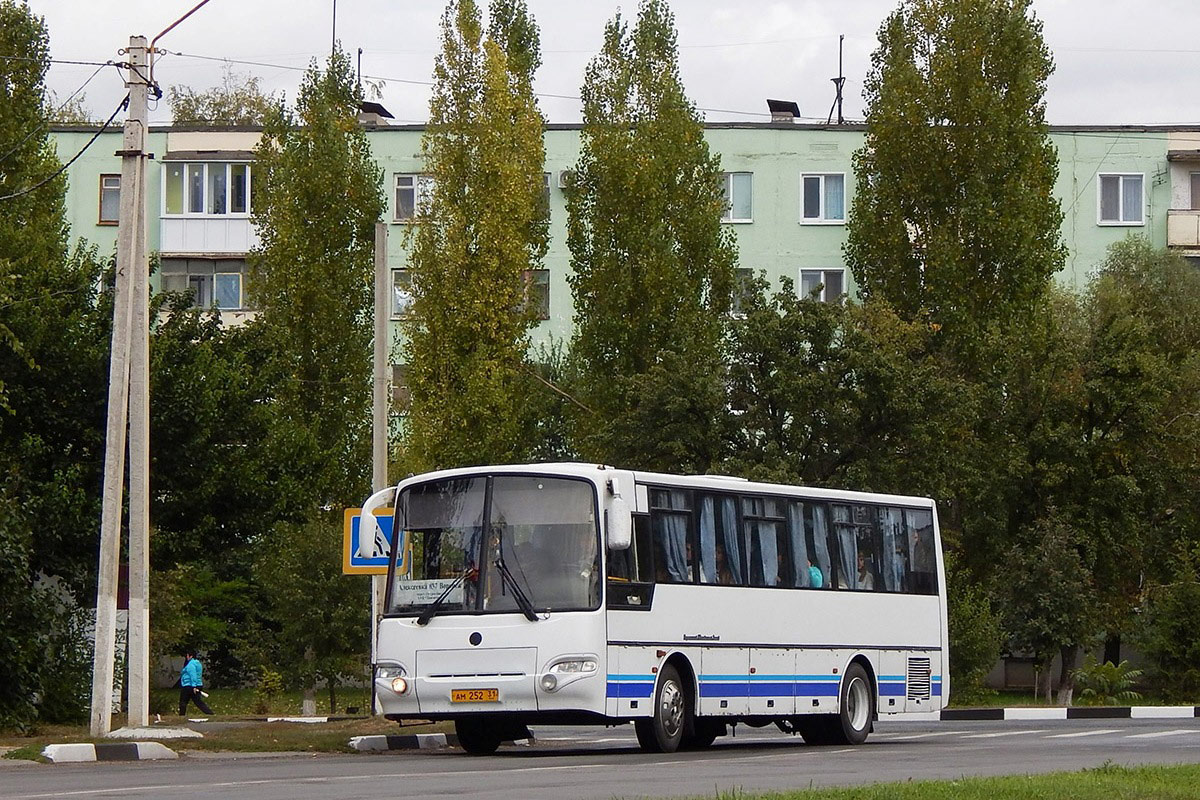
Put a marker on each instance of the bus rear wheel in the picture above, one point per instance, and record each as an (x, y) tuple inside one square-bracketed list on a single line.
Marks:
[(662, 731), (477, 737), (853, 721)]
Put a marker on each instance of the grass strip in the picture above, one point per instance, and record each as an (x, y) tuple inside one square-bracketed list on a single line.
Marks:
[(1107, 782)]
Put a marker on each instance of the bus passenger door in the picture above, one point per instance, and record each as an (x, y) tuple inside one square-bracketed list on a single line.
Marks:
[(724, 674), (772, 678)]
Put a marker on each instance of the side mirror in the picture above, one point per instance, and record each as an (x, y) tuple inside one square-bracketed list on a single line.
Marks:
[(620, 524)]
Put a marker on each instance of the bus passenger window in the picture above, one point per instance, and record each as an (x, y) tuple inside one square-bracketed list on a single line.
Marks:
[(720, 546), (818, 537), (921, 555), (893, 561), (670, 523), (766, 542)]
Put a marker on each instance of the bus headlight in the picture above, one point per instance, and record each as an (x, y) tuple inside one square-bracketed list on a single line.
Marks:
[(567, 670), (394, 675)]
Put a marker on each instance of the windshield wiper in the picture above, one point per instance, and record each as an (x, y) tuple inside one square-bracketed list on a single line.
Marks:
[(518, 593), (429, 612)]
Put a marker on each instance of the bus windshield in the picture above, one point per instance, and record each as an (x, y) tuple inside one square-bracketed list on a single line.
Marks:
[(539, 550)]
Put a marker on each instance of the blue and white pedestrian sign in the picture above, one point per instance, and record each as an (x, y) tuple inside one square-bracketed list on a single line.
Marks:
[(369, 556)]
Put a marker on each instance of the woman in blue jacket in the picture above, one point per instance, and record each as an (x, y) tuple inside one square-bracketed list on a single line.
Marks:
[(190, 681)]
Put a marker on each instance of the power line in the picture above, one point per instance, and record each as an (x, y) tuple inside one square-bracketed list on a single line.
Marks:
[(415, 82), (74, 158), (60, 61), (61, 106)]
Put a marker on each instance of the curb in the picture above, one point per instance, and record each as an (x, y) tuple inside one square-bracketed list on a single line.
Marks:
[(1073, 712), (411, 741), (117, 751)]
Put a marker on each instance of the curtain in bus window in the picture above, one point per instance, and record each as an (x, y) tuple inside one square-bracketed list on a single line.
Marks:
[(893, 559), (921, 556), (708, 540), (670, 529), (729, 527), (847, 548), (820, 544), (768, 551), (800, 557)]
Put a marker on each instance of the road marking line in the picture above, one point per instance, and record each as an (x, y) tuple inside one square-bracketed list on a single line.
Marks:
[(894, 738), (1002, 733), (1159, 734), (1082, 733), (168, 787)]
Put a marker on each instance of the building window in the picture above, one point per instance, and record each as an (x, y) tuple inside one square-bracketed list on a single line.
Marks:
[(823, 198), (1121, 199), (402, 296), (737, 190), (743, 291), (401, 395), (214, 283), (110, 199), (826, 285), (1195, 191), (413, 193), (208, 189), (537, 292)]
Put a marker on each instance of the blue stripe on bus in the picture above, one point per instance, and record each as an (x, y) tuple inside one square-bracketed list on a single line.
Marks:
[(891, 689), (633, 690)]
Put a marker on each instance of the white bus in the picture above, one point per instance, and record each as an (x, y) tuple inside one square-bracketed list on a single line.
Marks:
[(574, 593)]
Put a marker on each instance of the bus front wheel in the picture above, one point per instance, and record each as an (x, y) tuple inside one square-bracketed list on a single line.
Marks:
[(662, 731), (477, 737)]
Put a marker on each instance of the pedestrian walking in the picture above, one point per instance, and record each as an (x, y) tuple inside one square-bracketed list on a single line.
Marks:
[(191, 681)]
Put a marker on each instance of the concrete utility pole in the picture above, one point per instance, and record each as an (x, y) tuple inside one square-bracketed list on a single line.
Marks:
[(131, 280), (379, 416)]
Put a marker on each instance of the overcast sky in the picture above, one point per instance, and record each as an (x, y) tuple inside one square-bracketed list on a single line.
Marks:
[(1117, 62)]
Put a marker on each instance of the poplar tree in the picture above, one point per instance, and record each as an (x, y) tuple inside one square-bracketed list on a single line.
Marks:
[(954, 216), (652, 266), (311, 278), (474, 242)]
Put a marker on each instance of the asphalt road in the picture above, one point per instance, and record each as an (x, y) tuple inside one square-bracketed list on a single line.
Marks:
[(585, 763)]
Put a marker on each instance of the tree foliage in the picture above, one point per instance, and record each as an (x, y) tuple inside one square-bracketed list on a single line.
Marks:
[(53, 351), (239, 100), (311, 277), (319, 616), (954, 214), (842, 395), (652, 266), (475, 242)]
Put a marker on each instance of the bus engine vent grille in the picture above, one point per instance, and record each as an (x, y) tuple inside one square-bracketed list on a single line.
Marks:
[(918, 679)]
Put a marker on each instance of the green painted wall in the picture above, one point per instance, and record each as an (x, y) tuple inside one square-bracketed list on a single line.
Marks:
[(775, 242)]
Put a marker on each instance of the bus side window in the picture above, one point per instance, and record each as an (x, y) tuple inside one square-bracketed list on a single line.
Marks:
[(670, 527), (921, 556), (819, 538), (633, 564), (893, 560), (766, 541), (720, 544)]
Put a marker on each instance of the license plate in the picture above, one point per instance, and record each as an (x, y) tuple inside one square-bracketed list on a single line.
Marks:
[(474, 695)]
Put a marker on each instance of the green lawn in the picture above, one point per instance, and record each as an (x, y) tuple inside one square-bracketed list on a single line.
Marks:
[(1103, 783)]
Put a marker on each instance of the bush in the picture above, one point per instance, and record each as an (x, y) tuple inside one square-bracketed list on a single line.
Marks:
[(1106, 684), (975, 633), (1169, 635)]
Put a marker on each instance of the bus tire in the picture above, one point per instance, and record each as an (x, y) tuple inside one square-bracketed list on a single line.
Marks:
[(476, 736), (662, 731), (856, 709)]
